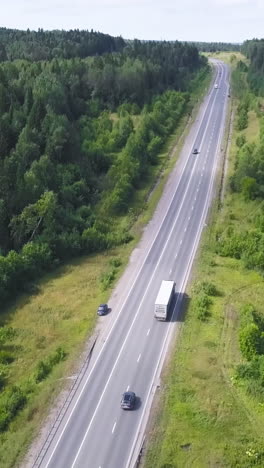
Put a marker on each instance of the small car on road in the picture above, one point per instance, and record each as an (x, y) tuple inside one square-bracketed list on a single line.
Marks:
[(102, 309), (195, 151), (128, 400)]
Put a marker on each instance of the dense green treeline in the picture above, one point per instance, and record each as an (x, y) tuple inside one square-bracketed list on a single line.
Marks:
[(217, 46), (247, 180), (45, 45), (76, 140), (244, 240), (251, 340), (254, 50)]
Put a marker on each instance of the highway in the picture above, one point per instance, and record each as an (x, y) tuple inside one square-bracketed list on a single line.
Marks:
[(95, 432)]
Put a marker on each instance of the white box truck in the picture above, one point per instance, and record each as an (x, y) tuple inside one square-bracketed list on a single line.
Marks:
[(164, 298)]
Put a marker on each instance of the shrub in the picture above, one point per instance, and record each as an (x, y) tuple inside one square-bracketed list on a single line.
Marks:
[(6, 333), (58, 356), (153, 148), (37, 258), (4, 420), (230, 245), (249, 188), (207, 287), (15, 400), (247, 314), (121, 195), (203, 300), (242, 121), (118, 237), (241, 140), (69, 244), (255, 389), (42, 371), (93, 240), (107, 278), (202, 303), (249, 370), (6, 357), (3, 376), (44, 368), (253, 375), (250, 341), (242, 66), (203, 314), (115, 262), (17, 269)]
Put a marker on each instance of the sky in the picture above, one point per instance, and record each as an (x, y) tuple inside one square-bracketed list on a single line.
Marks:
[(184, 20)]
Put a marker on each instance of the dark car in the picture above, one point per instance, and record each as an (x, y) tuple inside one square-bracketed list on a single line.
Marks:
[(128, 400), (102, 309), (195, 151)]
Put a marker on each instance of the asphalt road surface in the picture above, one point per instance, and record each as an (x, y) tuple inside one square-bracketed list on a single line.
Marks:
[(95, 432)]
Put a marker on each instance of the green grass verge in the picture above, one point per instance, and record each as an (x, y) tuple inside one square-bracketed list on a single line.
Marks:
[(204, 420), (228, 57), (62, 311)]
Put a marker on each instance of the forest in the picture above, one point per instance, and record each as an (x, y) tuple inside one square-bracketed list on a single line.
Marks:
[(245, 241), (254, 51), (77, 136), (217, 46), (248, 176), (46, 45)]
